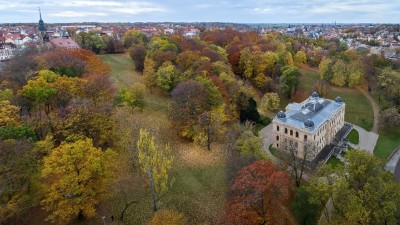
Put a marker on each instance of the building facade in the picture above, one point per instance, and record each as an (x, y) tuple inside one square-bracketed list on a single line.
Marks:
[(7, 51), (315, 121)]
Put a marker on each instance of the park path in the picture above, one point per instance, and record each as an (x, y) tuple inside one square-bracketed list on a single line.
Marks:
[(367, 140), (375, 108), (266, 135)]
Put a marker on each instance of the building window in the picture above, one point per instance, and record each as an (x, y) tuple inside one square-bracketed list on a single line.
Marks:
[(277, 145), (305, 137), (297, 134), (277, 138), (277, 128), (291, 133), (285, 130)]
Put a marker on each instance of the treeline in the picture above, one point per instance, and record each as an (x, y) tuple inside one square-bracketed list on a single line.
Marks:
[(56, 134)]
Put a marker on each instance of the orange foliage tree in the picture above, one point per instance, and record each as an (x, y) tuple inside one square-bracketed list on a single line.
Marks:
[(257, 196)]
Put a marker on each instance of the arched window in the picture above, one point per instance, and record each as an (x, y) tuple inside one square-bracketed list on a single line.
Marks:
[(291, 133), (277, 138), (305, 137), (277, 127), (297, 134), (285, 130)]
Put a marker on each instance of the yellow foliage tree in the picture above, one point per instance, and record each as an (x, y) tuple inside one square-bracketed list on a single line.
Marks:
[(270, 101), (288, 59), (77, 174), (339, 76), (167, 217), (9, 114), (300, 58), (156, 162)]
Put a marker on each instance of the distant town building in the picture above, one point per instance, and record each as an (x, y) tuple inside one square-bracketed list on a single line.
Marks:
[(7, 51), (59, 39), (316, 120)]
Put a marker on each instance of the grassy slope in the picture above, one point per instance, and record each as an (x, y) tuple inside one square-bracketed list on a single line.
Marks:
[(387, 142), (358, 109), (388, 139), (199, 187)]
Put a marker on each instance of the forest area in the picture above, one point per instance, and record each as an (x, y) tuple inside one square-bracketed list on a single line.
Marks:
[(165, 130)]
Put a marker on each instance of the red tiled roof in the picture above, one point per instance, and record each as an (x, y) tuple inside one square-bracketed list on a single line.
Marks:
[(64, 43)]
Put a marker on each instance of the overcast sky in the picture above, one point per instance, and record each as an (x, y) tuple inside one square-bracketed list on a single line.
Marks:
[(239, 11)]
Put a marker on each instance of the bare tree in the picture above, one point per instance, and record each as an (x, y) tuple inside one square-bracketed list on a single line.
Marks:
[(297, 160)]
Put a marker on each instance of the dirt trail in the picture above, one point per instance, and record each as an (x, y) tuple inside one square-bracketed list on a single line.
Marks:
[(375, 109)]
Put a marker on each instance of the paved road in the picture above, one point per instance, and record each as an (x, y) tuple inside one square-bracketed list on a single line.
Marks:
[(367, 139), (267, 138), (393, 164)]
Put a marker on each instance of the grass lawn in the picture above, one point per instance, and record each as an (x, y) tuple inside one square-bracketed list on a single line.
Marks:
[(122, 70), (387, 142), (353, 137), (334, 162)]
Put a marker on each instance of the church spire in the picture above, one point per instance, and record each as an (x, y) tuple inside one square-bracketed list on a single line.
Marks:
[(42, 27)]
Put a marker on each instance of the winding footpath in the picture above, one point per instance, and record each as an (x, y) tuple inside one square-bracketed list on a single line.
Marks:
[(375, 109)]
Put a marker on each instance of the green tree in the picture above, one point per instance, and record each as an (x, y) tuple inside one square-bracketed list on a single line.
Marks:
[(305, 212), (270, 101), (249, 144), (360, 192), (156, 162), (289, 80), (78, 175), (134, 98), (166, 76), (339, 76)]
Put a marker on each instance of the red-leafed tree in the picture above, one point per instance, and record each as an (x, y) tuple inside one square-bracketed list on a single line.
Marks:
[(257, 196)]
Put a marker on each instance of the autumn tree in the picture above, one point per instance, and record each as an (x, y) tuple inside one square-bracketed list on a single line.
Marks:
[(257, 195), (149, 72), (189, 101), (360, 191), (166, 76), (9, 114), (156, 163), (270, 101), (322, 87), (210, 126), (133, 37), (78, 175), (325, 69), (133, 97), (138, 53), (300, 58), (167, 217), (355, 73), (390, 118), (339, 73), (288, 59)]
